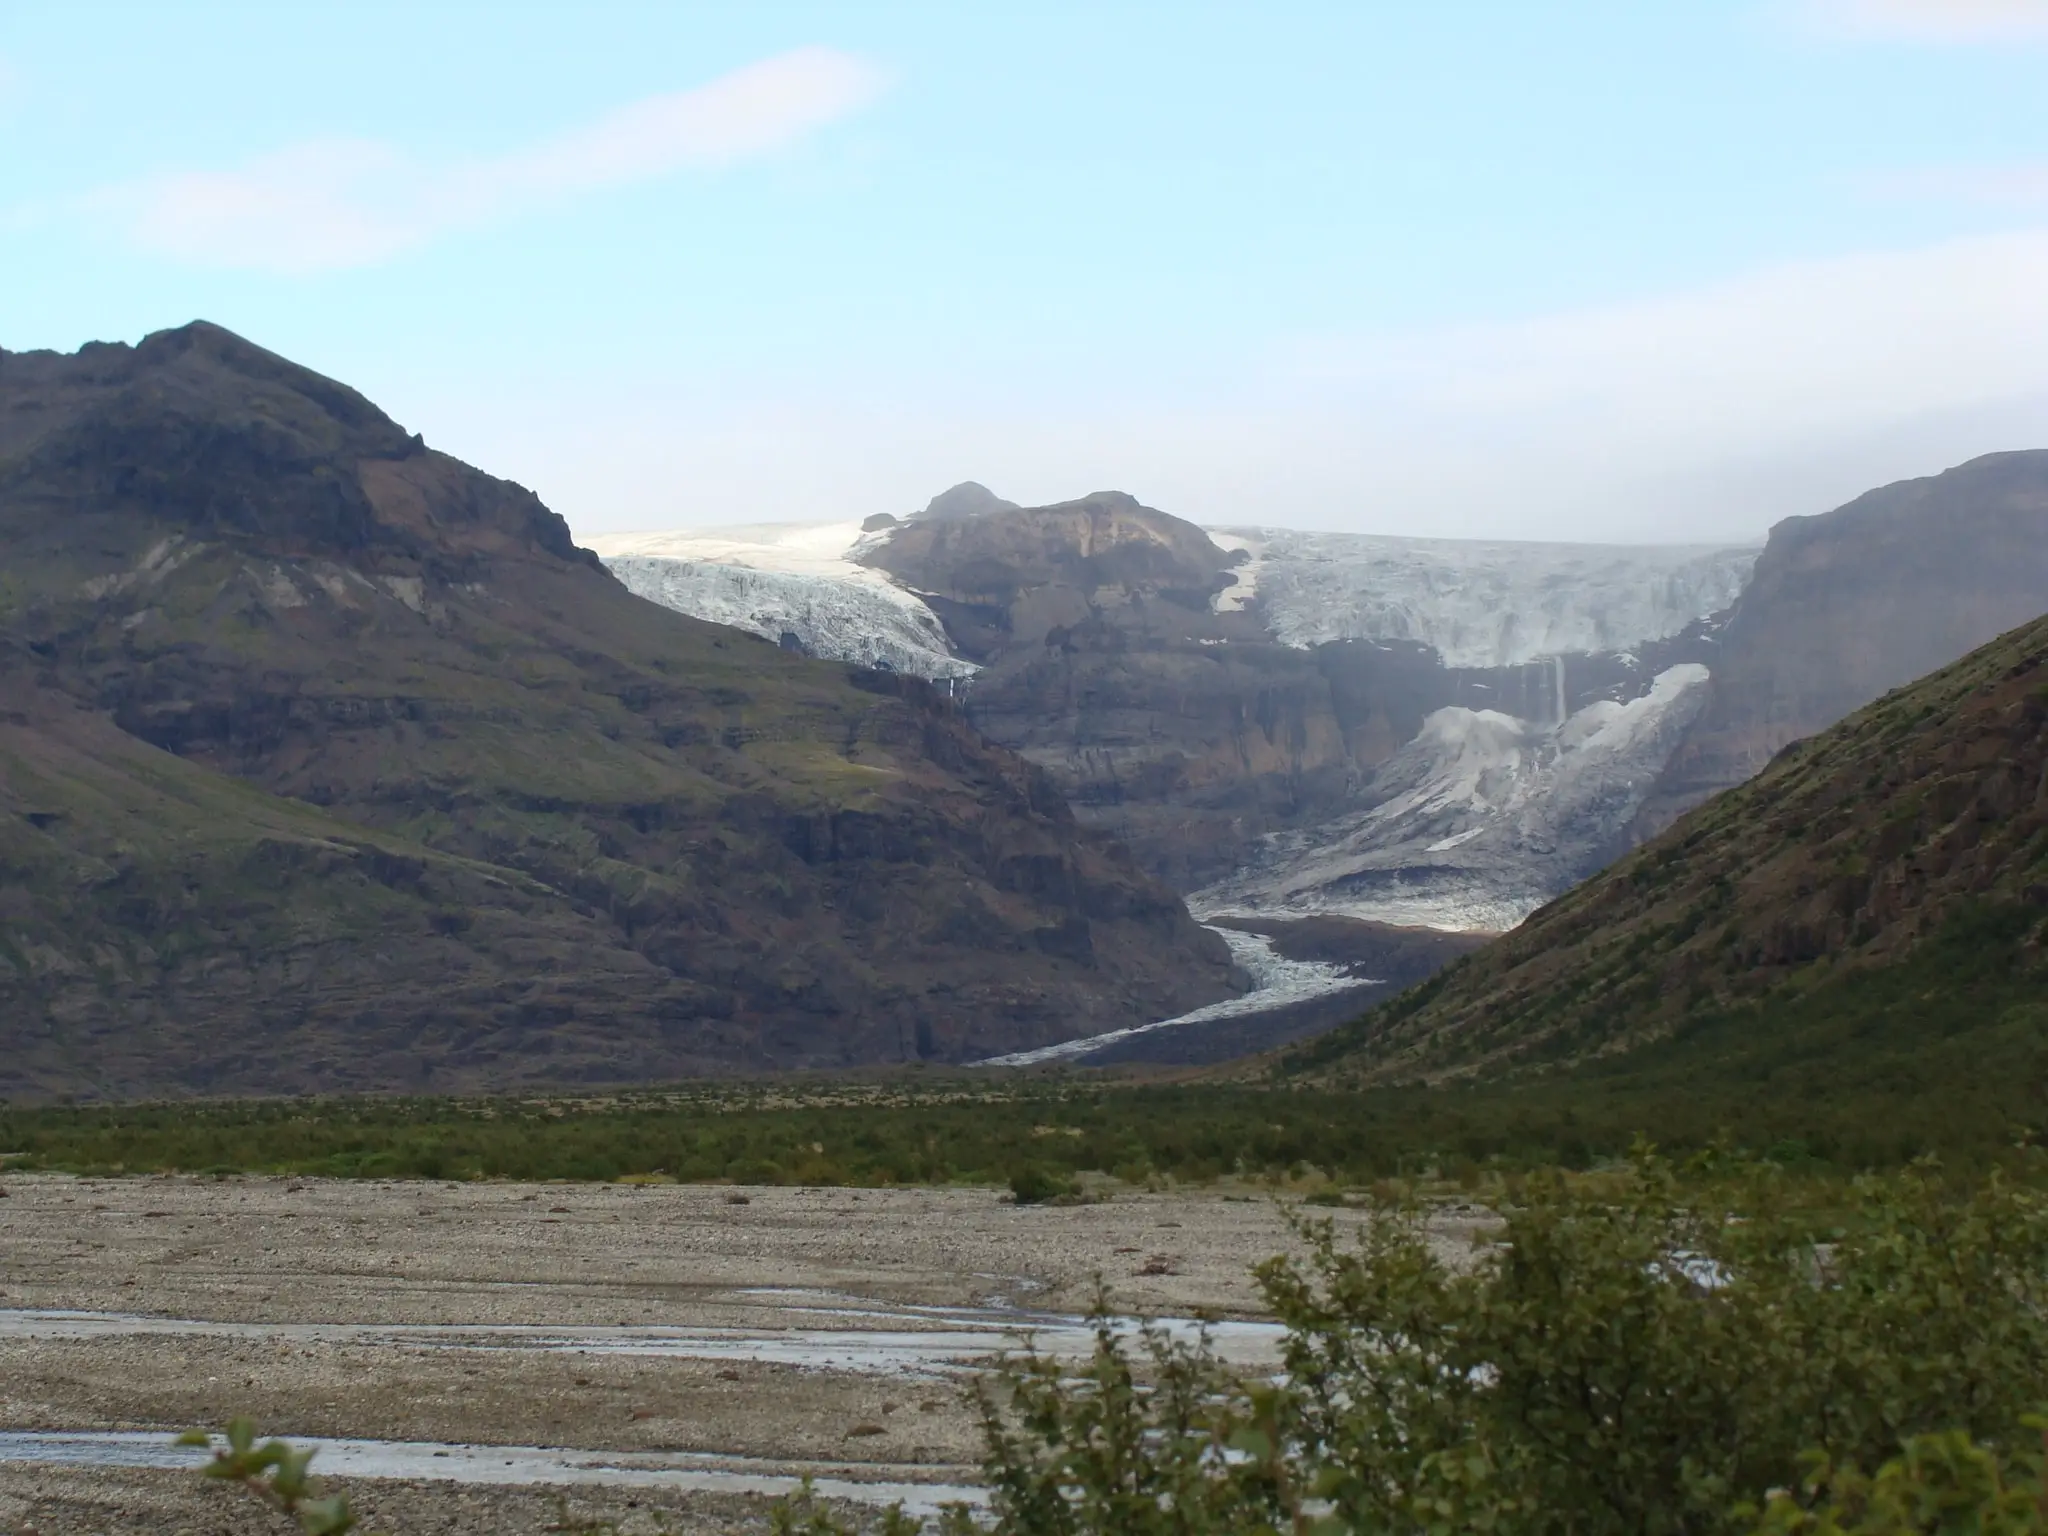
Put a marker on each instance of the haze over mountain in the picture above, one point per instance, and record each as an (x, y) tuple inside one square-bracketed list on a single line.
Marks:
[(1193, 691), (331, 762)]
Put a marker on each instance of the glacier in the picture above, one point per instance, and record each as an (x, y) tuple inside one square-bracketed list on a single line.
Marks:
[(1479, 603), (1276, 982), (794, 580), (1475, 823), (1478, 821)]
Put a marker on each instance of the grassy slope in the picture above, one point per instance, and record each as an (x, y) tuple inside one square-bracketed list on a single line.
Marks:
[(1863, 923)]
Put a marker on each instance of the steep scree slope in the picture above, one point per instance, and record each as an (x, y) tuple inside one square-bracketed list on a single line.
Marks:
[(1885, 879), (327, 761)]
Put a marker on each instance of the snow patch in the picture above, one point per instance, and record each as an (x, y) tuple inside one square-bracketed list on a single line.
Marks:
[(1276, 982), (1244, 585)]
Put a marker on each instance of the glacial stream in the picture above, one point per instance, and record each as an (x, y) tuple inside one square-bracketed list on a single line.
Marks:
[(1276, 982), (817, 1330), (430, 1461), (811, 1329)]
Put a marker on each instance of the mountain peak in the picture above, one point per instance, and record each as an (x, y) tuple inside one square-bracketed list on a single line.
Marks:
[(969, 498), (198, 431)]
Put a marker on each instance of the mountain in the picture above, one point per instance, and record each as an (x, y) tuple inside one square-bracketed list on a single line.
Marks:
[(328, 761), (1878, 893), (1848, 604), (967, 499), (1231, 703)]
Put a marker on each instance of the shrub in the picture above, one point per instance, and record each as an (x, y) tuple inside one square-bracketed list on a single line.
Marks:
[(1629, 1360), (1032, 1185)]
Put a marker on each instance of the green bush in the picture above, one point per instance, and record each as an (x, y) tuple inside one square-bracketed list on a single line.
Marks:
[(1032, 1185), (1941, 1485), (1634, 1357)]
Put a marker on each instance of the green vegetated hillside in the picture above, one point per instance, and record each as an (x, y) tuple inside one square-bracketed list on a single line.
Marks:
[(1864, 924), (328, 762)]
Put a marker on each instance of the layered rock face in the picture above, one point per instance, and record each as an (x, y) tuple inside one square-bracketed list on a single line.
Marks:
[(1859, 600), (330, 762)]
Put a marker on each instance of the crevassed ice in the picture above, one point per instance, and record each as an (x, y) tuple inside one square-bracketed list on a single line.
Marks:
[(1475, 823), (1480, 603), (874, 625), (794, 579)]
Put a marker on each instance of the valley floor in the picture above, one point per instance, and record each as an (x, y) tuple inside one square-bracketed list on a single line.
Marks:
[(769, 1331)]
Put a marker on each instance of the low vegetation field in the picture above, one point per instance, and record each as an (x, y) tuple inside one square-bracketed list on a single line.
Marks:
[(929, 1129)]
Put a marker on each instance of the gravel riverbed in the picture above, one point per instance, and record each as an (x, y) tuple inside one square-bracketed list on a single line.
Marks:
[(786, 1330)]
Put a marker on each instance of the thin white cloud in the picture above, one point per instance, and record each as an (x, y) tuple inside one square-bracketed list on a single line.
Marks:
[(1929, 21), (1989, 186), (1786, 349), (350, 202)]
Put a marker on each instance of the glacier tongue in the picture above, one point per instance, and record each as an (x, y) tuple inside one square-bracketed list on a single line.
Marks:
[(791, 580), (1478, 821), (1481, 604)]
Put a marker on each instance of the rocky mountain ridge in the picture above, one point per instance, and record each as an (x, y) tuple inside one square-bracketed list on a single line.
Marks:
[(1848, 604), (331, 762)]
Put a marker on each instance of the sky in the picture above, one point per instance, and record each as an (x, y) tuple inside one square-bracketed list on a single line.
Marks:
[(1647, 273)]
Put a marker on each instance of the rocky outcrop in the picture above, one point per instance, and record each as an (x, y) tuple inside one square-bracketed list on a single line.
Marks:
[(1848, 604), (967, 499), (334, 763), (1005, 581)]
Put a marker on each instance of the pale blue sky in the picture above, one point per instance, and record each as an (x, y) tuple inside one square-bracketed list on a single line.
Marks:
[(1624, 270)]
